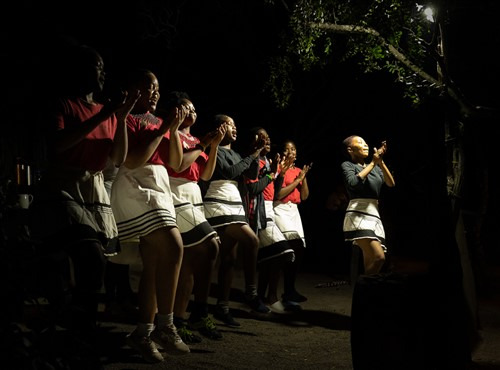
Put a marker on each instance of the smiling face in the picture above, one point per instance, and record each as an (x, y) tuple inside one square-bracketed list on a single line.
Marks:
[(358, 149), (290, 150), (150, 94), (191, 116), (263, 135)]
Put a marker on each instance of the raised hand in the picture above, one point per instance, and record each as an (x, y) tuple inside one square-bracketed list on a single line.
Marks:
[(122, 104), (286, 163), (174, 118), (379, 153), (275, 163), (220, 134), (304, 171), (126, 103)]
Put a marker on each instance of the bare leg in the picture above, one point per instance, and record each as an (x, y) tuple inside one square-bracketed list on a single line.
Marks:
[(226, 267), (161, 253), (274, 278), (248, 241), (290, 271), (263, 283), (186, 283), (203, 268), (373, 255)]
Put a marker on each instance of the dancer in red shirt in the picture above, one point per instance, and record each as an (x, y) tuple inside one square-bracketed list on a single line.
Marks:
[(294, 190)]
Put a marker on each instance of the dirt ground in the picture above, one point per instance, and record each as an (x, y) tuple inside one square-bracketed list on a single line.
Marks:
[(318, 337)]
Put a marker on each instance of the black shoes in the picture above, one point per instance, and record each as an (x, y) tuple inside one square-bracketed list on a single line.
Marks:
[(222, 313)]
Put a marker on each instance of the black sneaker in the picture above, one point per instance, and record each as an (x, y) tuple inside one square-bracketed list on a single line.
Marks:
[(188, 336), (294, 297), (225, 317), (257, 305), (206, 327), (291, 306)]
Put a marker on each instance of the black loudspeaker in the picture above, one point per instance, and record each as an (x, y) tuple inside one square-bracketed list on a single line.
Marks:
[(402, 322)]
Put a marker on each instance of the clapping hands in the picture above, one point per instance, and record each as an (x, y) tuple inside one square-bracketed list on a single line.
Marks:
[(213, 138), (174, 118), (379, 153), (122, 104)]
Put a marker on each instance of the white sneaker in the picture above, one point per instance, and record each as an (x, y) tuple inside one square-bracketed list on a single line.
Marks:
[(145, 347), (278, 307), (168, 338)]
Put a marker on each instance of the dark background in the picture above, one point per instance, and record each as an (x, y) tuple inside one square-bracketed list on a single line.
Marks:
[(218, 51)]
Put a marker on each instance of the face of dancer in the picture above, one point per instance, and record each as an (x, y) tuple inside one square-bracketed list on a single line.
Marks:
[(191, 116), (231, 133), (262, 135), (150, 94), (97, 72), (358, 149), (290, 151), (86, 72)]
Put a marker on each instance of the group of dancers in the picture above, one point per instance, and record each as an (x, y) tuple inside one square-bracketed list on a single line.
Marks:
[(187, 203)]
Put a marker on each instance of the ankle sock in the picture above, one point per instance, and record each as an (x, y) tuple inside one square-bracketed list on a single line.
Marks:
[(165, 320), (144, 329)]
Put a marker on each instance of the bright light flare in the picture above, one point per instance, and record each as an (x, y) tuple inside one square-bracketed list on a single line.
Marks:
[(427, 11)]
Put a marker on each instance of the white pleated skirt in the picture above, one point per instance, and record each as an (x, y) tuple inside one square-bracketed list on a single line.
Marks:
[(289, 221), (272, 243), (223, 204), (141, 200), (190, 212), (362, 221)]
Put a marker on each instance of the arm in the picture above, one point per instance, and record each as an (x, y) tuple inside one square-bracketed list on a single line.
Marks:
[(377, 160), (120, 141), (229, 171), (142, 152), (298, 181), (188, 157), (65, 139), (208, 171), (388, 179), (284, 165), (175, 153), (304, 190), (253, 171), (257, 187)]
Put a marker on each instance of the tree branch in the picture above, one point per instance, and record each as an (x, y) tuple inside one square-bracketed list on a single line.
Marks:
[(395, 52), (465, 107)]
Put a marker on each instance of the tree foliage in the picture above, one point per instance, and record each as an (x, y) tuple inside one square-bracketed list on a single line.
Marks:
[(377, 35)]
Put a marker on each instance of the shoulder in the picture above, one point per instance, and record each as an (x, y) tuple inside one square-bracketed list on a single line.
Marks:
[(347, 165), (145, 120)]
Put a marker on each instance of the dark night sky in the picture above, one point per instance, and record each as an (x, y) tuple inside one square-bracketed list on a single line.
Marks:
[(218, 55)]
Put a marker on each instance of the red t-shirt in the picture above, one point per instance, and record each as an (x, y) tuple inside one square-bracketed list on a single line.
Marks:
[(290, 177), (194, 171), (268, 191), (93, 151), (142, 128)]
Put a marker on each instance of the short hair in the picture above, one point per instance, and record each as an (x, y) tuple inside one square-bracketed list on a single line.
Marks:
[(288, 141), (134, 77), (175, 98), (346, 143), (220, 119)]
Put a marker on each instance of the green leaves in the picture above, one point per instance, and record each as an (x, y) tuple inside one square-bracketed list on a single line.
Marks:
[(378, 35)]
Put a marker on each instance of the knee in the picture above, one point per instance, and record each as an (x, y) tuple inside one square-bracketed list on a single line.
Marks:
[(212, 248), (176, 250), (228, 259), (379, 259), (253, 241)]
